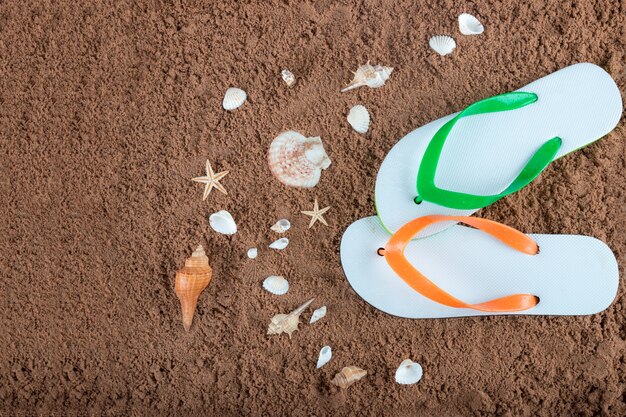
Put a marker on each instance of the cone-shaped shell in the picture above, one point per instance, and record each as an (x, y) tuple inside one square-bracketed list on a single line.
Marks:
[(287, 323), (190, 282), (297, 161), (348, 376), (368, 75)]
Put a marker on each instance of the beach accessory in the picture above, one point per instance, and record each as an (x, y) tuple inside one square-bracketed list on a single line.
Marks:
[(466, 161), (488, 269), (190, 282)]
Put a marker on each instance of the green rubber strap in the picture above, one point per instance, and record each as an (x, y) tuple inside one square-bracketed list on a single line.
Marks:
[(426, 188)]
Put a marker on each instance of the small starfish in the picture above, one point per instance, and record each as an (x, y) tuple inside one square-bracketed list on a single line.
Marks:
[(316, 214), (211, 180)]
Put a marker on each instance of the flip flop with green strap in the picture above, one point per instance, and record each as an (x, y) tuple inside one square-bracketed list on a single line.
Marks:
[(466, 161)]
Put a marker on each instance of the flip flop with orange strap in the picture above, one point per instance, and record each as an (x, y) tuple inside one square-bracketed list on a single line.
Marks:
[(485, 269)]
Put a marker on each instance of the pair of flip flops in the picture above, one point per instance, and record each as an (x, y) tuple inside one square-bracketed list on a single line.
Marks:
[(414, 260)]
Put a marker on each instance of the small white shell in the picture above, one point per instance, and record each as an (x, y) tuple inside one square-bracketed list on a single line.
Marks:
[(368, 75), (281, 226), (234, 98), (442, 44), (297, 161), (279, 244), (318, 314), (288, 77), (275, 284), (325, 354), (408, 372), (252, 253), (222, 222), (470, 25), (359, 118)]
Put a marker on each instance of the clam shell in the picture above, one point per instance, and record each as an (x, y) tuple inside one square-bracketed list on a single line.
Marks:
[(442, 44), (234, 98), (281, 226), (470, 25), (275, 284), (326, 354), (288, 77), (297, 161), (359, 118), (279, 244), (252, 253), (408, 372), (318, 314), (223, 222), (348, 376)]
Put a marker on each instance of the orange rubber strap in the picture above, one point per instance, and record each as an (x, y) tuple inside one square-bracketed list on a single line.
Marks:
[(394, 254)]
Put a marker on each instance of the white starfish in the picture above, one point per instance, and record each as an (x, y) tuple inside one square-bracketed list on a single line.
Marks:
[(211, 179), (316, 214)]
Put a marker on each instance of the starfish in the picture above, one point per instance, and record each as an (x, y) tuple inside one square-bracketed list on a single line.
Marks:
[(316, 214), (211, 180)]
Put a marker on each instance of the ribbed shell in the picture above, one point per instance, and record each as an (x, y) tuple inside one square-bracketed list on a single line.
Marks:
[(190, 282), (348, 376), (359, 118), (442, 44), (234, 98), (276, 284), (297, 161)]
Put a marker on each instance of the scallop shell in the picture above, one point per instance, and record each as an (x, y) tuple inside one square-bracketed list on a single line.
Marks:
[(326, 354), (318, 314), (359, 118), (275, 284), (252, 253), (368, 75), (470, 25), (279, 244), (348, 376), (287, 323), (281, 226), (234, 98), (442, 44), (223, 222), (297, 161), (288, 77), (408, 372)]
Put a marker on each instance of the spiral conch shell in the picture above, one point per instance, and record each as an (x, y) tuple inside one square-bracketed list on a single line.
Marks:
[(348, 376), (297, 161), (371, 76), (287, 323), (190, 282)]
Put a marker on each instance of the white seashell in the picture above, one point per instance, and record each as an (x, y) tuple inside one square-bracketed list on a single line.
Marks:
[(234, 98), (325, 354), (297, 161), (287, 323), (371, 76), (279, 244), (318, 314), (275, 284), (252, 253), (442, 44), (288, 77), (359, 118), (281, 226), (408, 372), (470, 25), (222, 222)]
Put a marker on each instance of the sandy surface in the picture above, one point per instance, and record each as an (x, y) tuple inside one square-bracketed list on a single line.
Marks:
[(108, 109)]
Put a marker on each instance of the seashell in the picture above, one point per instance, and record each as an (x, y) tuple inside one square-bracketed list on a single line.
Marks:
[(348, 376), (234, 98), (470, 25), (325, 354), (287, 323), (275, 284), (223, 222), (252, 253), (442, 44), (190, 282), (297, 161), (288, 77), (279, 244), (359, 118), (281, 226), (408, 372), (371, 76), (318, 314)]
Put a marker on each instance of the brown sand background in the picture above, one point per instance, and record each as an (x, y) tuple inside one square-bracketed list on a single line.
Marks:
[(108, 108)]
